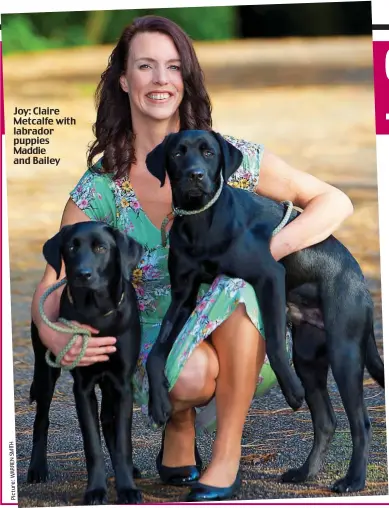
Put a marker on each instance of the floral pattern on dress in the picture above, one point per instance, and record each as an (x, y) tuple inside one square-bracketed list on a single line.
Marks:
[(149, 281), (88, 199), (244, 177), (125, 198)]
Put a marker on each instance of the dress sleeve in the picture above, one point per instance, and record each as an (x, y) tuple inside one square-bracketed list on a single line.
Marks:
[(94, 195), (247, 175)]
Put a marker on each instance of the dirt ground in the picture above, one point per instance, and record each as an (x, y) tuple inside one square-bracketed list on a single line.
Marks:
[(311, 102)]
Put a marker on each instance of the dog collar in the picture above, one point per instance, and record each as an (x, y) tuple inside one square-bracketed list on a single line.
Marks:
[(107, 313), (179, 212)]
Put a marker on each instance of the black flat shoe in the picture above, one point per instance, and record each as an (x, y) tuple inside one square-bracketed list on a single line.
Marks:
[(201, 492), (178, 476)]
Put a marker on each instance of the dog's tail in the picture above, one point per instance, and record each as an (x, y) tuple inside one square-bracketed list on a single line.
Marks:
[(373, 363)]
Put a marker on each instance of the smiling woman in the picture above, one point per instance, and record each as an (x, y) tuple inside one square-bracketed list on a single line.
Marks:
[(154, 86), (153, 56), (157, 102)]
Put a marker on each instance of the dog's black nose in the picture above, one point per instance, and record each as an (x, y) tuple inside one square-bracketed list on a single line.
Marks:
[(84, 273), (196, 175)]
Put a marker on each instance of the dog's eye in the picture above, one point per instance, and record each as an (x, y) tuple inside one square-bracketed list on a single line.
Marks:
[(74, 245), (208, 153), (100, 249), (177, 154)]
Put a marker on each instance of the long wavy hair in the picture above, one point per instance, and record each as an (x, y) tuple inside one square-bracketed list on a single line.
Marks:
[(113, 128)]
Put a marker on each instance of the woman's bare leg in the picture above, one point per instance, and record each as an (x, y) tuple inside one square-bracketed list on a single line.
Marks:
[(194, 388), (241, 352)]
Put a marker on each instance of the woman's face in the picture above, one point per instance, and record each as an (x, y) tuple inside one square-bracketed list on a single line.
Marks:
[(153, 77)]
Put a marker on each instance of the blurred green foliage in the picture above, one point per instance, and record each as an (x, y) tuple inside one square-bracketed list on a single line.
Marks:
[(40, 31)]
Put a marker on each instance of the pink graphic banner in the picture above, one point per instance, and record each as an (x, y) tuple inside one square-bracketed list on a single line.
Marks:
[(381, 85)]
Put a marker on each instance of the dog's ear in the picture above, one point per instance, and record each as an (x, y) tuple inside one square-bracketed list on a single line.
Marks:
[(52, 251), (130, 252), (156, 161), (232, 156)]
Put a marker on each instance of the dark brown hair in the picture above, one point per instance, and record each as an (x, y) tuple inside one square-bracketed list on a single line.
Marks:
[(113, 127)]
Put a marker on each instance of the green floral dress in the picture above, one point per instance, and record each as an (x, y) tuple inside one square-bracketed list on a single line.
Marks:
[(113, 201)]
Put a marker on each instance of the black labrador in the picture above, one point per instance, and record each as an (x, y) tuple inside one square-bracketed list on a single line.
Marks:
[(324, 283), (99, 261)]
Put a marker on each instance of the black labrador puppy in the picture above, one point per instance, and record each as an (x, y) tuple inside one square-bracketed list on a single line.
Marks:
[(99, 261), (232, 237)]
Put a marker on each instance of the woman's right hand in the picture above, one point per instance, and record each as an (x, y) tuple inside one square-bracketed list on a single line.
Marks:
[(97, 351)]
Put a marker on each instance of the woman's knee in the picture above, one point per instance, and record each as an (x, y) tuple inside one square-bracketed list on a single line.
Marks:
[(239, 336), (235, 321), (198, 374)]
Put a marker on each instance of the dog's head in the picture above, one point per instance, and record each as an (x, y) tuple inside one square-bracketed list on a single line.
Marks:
[(193, 160), (94, 254)]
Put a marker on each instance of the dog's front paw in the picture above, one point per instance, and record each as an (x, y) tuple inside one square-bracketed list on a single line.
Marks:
[(294, 395), (96, 496), (129, 496), (160, 407), (37, 472), (349, 485)]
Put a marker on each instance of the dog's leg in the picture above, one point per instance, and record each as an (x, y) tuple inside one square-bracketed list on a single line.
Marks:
[(270, 292), (42, 390), (347, 335), (127, 492), (182, 304), (107, 423), (107, 417), (311, 364), (86, 406)]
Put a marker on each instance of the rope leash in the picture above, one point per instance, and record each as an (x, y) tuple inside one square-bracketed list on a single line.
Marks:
[(286, 218), (68, 328)]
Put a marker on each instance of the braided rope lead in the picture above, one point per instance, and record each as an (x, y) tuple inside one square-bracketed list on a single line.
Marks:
[(286, 218), (68, 328)]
